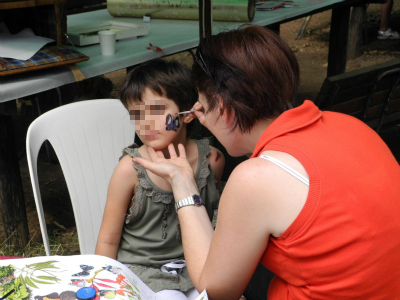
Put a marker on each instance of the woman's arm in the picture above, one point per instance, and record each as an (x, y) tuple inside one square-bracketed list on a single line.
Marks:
[(119, 196), (224, 262), (259, 199)]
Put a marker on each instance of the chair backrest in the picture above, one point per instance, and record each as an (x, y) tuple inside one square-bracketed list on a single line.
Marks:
[(88, 138), (371, 94)]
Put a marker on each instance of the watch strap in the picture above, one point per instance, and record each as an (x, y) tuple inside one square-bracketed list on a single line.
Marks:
[(192, 200)]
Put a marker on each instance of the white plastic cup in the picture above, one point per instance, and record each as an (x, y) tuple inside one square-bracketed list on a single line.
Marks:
[(107, 41)]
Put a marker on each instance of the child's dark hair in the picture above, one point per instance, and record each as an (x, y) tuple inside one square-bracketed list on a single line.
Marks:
[(170, 79)]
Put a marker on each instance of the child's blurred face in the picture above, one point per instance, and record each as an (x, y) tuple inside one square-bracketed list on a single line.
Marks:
[(155, 119)]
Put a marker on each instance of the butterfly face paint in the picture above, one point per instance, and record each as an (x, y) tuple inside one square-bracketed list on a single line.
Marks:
[(148, 117), (172, 123)]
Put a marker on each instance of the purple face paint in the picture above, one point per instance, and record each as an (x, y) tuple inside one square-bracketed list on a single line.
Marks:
[(172, 124)]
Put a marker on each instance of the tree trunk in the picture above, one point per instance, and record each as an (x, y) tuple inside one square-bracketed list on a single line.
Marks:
[(355, 30), (338, 36), (205, 18), (11, 194)]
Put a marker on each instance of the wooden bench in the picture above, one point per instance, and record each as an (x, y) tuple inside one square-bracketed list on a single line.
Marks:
[(370, 94)]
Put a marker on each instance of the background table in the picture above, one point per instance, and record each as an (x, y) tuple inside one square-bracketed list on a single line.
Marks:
[(173, 36)]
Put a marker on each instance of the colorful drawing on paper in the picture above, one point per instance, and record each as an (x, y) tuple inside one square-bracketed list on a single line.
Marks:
[(23, 280), (85, 271), (46, 281)]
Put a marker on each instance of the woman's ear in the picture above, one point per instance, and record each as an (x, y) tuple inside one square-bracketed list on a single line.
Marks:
[(223, 112), (220, 109)]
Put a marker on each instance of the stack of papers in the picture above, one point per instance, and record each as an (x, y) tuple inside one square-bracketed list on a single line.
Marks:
[(21, 46)]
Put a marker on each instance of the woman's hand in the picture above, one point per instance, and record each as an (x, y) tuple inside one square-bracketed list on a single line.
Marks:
[(199, 112), (176, 170)]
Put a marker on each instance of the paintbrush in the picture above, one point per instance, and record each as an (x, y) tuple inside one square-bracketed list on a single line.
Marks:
[(187, 112)]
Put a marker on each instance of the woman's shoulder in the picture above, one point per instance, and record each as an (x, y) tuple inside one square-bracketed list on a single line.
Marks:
[(272, 189), (261, 170), (259, 177)]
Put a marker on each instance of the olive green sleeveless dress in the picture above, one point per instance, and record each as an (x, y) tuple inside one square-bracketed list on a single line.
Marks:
[(151, 234)]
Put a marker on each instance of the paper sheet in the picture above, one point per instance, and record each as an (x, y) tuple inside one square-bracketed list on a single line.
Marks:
[(22, 45), (60, 277)]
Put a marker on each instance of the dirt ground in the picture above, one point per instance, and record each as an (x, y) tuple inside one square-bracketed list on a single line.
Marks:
[(311, 51)]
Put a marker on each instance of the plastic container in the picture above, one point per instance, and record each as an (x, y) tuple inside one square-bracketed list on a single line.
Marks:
[(86, 293)]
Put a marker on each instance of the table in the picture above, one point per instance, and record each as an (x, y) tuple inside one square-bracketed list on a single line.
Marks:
[(172, 36)]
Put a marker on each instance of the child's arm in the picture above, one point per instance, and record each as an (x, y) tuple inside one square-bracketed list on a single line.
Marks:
[(217, 163), (120, 192)]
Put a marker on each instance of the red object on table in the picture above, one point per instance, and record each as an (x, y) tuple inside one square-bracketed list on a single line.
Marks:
[(279, 6), (10, 257)]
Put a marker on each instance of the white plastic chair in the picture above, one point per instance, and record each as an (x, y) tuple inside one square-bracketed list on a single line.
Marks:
[(88, 138)]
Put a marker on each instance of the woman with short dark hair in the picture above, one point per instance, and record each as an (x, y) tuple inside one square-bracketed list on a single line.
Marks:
[(267, 72), (317, 203)]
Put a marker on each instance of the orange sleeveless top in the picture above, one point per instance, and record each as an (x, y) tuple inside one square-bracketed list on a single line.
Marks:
[(345, 243)]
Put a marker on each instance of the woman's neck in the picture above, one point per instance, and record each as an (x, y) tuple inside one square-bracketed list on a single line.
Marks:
[(250, 139)]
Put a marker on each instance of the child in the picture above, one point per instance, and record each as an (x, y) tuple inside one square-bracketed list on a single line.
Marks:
[(140, 226)]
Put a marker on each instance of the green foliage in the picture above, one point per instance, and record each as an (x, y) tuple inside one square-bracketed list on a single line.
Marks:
[(6, 271), (43, 265), (21, 292), (29, 276), (39, 273)]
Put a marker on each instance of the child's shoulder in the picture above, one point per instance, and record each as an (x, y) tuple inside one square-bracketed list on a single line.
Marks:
[(215, 157), (125, 168), (125, 161), (130, 150), (134, 150)]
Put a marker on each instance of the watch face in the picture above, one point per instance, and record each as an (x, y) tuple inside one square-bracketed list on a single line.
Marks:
[(197, 200)]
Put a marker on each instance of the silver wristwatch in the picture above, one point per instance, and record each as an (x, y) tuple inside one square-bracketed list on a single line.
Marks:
[(192, 200)]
